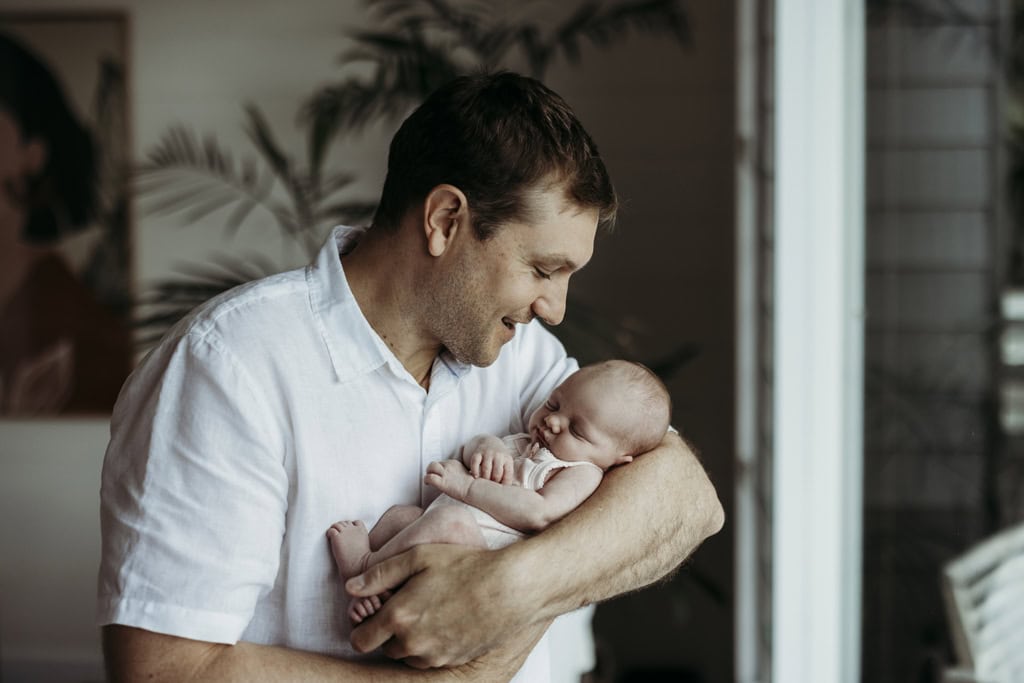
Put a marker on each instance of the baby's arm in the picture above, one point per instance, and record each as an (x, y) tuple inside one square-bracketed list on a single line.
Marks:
[(523, 509), (487, 457)]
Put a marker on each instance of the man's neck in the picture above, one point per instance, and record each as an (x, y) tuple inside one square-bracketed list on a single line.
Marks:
[(380, 277)]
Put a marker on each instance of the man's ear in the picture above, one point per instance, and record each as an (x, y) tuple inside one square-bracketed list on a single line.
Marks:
[(445, 210)]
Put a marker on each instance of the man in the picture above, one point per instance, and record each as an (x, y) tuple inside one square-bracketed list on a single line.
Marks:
[(322, 393)]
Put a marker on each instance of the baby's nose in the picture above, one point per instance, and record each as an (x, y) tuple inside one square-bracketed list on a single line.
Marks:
[(554, 423)]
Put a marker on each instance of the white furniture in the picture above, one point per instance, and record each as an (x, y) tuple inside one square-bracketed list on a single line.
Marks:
[(984, 595)]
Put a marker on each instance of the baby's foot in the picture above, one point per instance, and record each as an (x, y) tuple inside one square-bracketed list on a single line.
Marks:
[(350, 545), (364, 608)]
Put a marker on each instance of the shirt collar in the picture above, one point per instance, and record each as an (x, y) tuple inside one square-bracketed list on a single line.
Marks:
[(353, 345)]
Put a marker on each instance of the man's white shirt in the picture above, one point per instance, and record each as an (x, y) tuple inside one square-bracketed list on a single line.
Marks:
[(266, 416)]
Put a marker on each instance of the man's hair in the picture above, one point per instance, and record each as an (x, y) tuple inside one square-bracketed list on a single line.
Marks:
[(63, 197), (641, 390), (496, 137)]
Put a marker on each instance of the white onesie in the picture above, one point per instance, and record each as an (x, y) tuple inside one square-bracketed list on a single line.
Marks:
[(531, 472)]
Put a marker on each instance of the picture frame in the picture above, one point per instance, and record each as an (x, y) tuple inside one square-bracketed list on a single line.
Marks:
[(65, 217)]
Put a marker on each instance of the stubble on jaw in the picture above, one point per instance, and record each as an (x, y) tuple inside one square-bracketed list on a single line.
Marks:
[(455, 316)]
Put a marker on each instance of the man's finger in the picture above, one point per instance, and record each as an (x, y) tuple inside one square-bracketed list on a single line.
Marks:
[(394, 649), (387, 575), (370, 634), (417, 662)]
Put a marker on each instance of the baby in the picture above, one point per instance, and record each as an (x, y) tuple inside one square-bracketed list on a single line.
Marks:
[(503, 489)]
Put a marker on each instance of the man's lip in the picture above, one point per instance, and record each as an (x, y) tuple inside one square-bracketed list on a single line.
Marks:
[(538, 436)]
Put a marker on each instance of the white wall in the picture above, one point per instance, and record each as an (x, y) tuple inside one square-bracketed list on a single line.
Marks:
[(49, 550)]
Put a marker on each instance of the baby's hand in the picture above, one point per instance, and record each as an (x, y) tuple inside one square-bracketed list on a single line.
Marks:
[(449, 476), (494, 463)]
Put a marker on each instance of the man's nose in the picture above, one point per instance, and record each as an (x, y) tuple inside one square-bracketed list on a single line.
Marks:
[(550, 307)]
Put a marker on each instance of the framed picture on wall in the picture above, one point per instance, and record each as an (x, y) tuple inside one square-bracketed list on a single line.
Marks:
[(65, 294)]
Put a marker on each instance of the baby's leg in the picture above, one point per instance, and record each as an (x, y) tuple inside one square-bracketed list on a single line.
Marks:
[(440, 524), (391, 522)]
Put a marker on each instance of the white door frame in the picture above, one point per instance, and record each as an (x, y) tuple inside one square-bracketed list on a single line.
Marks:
[(818, 340)]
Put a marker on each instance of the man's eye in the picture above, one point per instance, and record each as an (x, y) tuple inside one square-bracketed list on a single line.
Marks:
[(541, 274), (550, 406)]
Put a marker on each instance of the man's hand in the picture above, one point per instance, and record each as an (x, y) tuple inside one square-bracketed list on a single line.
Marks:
[(503, 662), (455, 605)]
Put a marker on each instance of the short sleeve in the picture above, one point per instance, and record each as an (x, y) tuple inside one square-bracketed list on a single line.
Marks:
[(542, 364), (194, 496)]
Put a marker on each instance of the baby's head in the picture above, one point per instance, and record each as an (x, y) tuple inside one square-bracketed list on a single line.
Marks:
[(605, 414)]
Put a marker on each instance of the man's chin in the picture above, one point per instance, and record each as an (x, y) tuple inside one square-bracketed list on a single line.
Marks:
[(480, 359)]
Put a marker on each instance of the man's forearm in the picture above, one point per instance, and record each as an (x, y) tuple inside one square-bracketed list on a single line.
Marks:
[(640, 524), (134, 654)]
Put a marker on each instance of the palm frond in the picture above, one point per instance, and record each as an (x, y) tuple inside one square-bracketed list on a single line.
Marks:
[(351, 104), (407, 63), (347, 213), (229, 269), (604, 26), (406, 69), (262, 138), (537, 51), (182, 173), (335, 182), (472, 27), (303, 188)]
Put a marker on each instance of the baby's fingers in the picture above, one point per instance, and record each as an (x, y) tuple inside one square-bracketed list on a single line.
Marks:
[(474, 463), (434, 476), (486, 467)]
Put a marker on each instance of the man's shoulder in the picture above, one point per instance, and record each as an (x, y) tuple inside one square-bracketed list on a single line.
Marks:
[(266, 305)]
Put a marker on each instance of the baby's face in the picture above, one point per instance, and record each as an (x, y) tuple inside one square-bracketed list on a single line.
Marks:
[(581, 421)]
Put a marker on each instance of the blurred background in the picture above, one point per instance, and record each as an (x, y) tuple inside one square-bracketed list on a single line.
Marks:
[(232, 134)]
